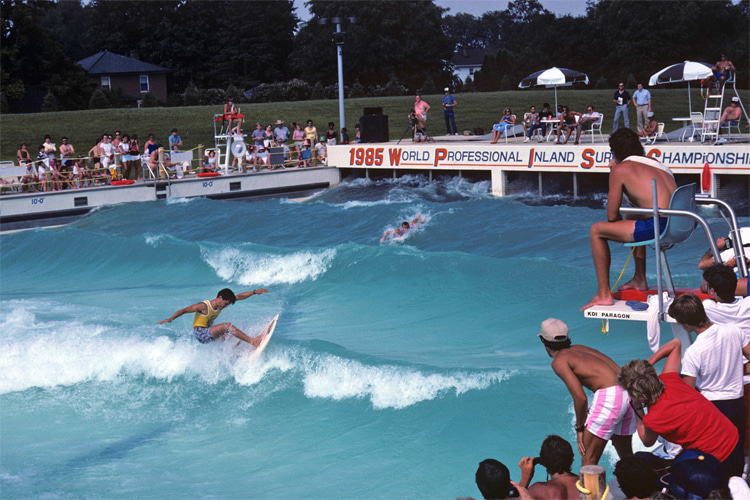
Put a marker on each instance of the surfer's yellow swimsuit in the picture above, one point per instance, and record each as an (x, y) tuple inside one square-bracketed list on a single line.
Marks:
[(201, 320), (202, 323)]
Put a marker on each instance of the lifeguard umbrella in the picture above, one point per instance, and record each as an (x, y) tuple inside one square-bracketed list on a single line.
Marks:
[(685, 71), (554, 77)]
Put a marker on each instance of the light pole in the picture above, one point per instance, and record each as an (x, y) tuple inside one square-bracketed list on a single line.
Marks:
[(338, 39)]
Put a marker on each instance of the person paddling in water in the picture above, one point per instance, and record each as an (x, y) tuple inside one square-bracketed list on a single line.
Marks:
[(630, 176), (405, 227), (207, 311)]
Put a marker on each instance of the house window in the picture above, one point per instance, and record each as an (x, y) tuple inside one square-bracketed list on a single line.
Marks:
[(106, 83), (144, 84)]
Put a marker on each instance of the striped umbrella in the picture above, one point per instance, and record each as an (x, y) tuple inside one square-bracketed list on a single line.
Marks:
[(682, 72), (554, 77)]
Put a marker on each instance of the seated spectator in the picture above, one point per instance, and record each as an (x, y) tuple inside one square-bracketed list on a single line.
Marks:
[(175, 141), (331, 135), (286, 153), (651, 125), (320, 150), (531, 123), (81, 175), (23, 154), (209, 161), (677, 411), (150, 145), (261, 157), (344, 136), (636, 478), (586, 121), (231, 114), (568, 123), (556, 455), (42, 166), (726, 246), (304, 155), (506, 122), (49, 147), (29, 180), (357, 137), (55, 177), (731, 113)]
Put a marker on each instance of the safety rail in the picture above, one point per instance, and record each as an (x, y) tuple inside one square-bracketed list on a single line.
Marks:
[(657, 212)]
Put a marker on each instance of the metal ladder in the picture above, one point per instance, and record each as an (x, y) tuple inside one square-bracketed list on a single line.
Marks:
[(712, 113)]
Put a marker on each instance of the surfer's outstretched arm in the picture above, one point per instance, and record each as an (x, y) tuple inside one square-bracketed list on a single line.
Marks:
[(244, 295), (200, 306), (390, 231)]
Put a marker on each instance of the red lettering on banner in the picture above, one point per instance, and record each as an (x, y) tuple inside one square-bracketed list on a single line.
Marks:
[(588, 156), (440, 154), (654, 153)]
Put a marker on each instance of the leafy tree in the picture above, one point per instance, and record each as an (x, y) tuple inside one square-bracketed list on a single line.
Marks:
[(98, 100), (50, 103), (403, 38)]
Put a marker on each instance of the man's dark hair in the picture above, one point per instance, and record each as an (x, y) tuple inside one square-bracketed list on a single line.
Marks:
[(493, 479), (556, 455), (624, 142), (556, 346), (636, 477), (227, 294), (723, 280), (688, 310)]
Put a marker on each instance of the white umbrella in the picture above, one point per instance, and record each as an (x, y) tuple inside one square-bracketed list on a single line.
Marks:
[(682, 72), (554, 77)]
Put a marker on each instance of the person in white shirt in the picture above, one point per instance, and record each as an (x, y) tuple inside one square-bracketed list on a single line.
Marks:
[(586, 121), (713, 363)]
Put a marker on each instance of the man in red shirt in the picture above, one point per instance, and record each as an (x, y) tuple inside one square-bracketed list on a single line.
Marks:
[(677, 411)]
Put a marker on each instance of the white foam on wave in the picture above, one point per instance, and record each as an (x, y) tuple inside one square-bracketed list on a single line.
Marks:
[(247, 267), (387, 386), (179, 201)]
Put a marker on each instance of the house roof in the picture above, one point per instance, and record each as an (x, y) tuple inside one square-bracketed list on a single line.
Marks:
[(470, 57), (108, 63)]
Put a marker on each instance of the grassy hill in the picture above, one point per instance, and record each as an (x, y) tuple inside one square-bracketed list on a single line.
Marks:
[(194, 123)]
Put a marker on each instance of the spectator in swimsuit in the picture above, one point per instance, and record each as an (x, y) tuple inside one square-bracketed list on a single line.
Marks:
[(609, 417), (206, 313)]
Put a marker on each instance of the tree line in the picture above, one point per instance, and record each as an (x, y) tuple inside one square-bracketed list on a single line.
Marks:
[(216, 48)]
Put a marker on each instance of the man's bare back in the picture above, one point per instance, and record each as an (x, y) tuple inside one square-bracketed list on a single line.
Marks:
[(562, 487), (593, 369), (634, 179)]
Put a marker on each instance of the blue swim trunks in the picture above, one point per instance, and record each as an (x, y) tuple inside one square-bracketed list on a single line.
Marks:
[(644, 229), (203, 334)]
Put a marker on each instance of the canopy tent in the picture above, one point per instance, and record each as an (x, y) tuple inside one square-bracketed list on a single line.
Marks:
[(554, 77)]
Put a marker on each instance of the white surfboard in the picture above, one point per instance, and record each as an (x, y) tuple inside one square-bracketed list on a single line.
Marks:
[(267, 333)]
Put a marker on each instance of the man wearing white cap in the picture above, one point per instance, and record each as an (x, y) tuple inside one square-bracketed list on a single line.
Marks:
[(650, 127), (610, 415), (449, 101), (731, 113)]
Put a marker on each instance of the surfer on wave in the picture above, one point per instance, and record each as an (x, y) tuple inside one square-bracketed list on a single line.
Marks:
[(404, 229), (207, 311)]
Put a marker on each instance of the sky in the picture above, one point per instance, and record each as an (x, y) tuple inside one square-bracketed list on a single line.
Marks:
[(478, 7)]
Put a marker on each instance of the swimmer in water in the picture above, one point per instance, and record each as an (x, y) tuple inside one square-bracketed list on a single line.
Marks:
[(405, 227)]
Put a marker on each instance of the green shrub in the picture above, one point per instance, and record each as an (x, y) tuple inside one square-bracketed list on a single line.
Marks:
[(98, 100)]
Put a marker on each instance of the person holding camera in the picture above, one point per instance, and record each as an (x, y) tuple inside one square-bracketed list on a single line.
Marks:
[(556, 455), (449, 102)]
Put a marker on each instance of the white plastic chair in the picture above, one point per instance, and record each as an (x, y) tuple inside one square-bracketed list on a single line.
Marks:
[(696, 120), (510, 130), (729, 124), (595, 127)]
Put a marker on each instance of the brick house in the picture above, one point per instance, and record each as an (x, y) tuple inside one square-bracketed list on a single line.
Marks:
[(134, 77)]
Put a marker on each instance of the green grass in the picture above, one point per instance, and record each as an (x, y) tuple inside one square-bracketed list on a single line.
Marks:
[(195, 126)]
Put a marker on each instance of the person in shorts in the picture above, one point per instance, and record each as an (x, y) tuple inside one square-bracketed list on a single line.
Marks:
[(206, 313)]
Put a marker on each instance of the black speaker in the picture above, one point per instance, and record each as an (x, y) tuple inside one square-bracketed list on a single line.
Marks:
[(374, 128), (372, 111)]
